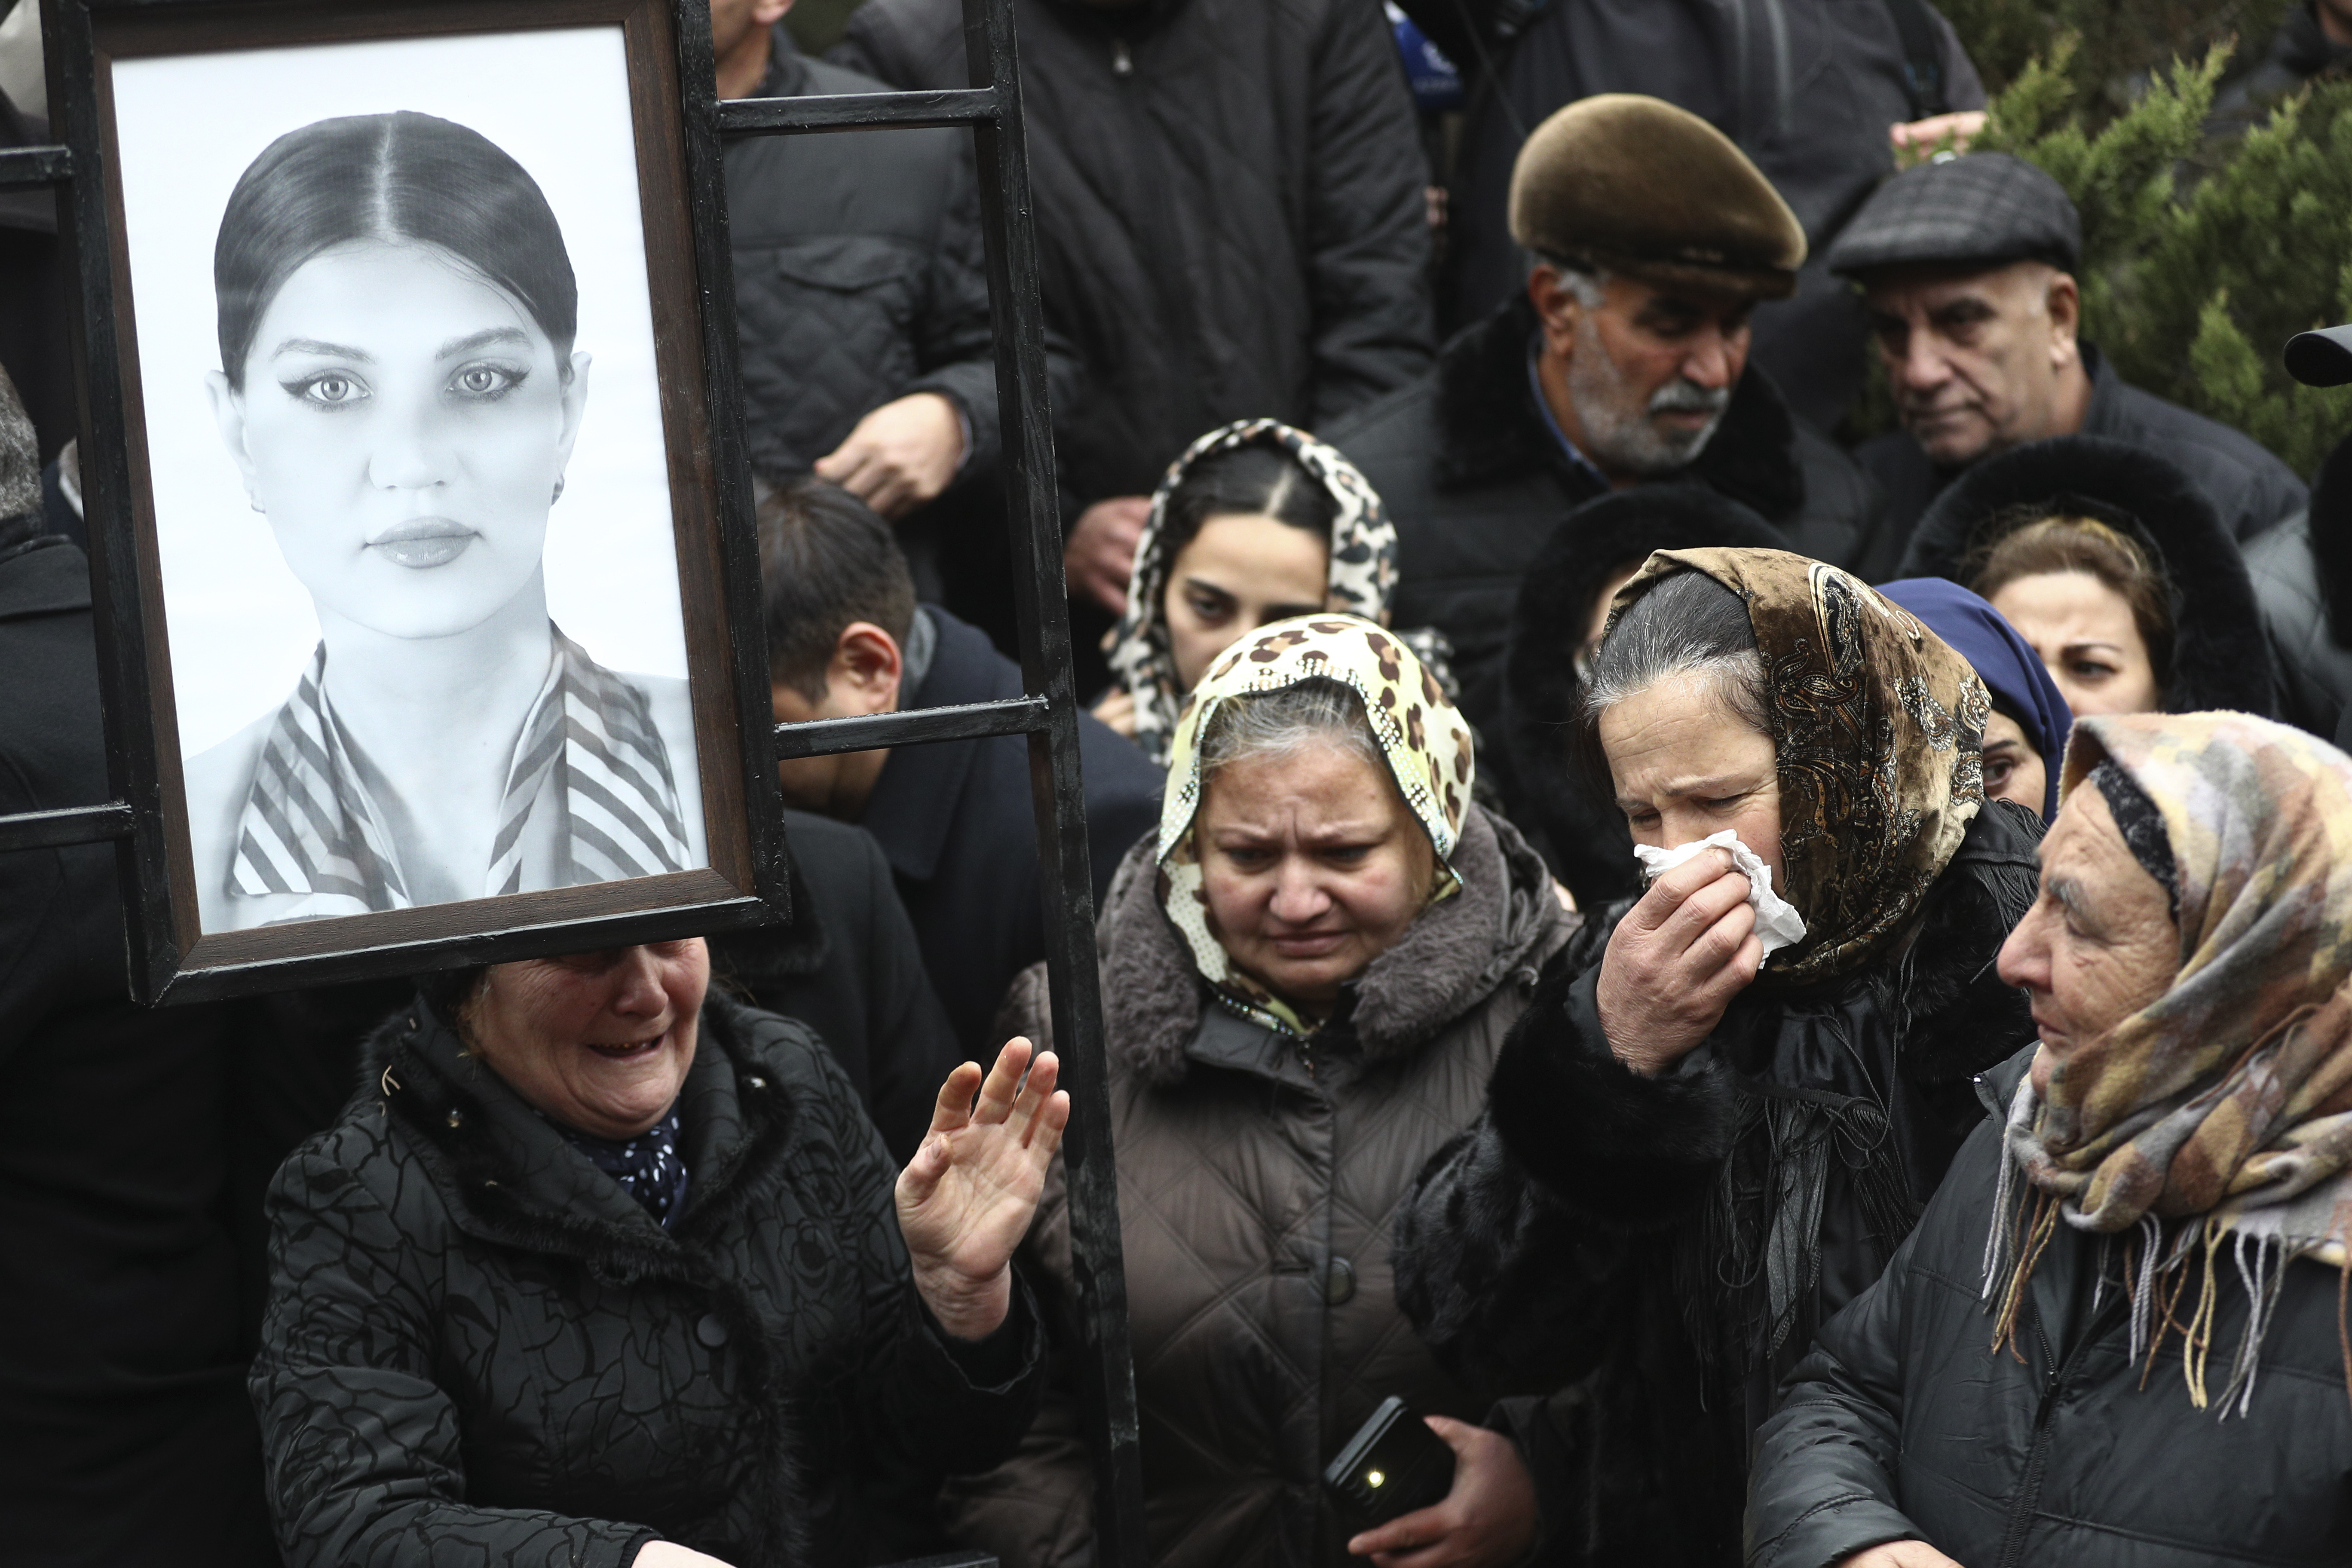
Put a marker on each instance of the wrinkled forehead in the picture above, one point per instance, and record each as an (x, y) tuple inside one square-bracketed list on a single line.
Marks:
[(2011, 287)]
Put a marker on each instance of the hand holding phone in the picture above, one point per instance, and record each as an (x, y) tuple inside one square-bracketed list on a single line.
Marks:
[(1393, 1465), (1488, 1517)]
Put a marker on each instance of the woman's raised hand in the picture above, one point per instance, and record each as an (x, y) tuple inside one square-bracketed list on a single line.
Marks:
[(966, 1197), (1675, 962)]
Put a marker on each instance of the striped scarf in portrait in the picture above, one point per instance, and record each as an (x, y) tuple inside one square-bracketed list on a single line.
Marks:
[(311, 823)]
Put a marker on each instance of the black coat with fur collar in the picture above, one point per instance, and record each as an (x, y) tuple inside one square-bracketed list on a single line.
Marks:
[(1258, 1178), (1589, 1253), (1476, 482), (478, 1348), (2221, 649)]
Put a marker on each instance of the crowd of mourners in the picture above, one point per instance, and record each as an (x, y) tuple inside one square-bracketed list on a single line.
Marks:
[(1791, 997)]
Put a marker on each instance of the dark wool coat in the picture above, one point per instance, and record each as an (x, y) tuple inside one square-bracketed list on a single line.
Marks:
[(2247, 487), (958, 824), (478, 1347), (2221, 648), (1257, 1179), (1576, 824), (2301, 571), (1566, 1256), (1904, 1421), (852, 972), (1230, 217), (1806, 87), (125, 1437), (1476, 482)]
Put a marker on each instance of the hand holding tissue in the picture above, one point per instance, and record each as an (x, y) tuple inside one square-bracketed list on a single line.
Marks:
[(1778, 924)]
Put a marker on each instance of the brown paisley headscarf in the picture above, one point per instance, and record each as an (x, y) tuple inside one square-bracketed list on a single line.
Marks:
[(1878, 729), (1419, 734)]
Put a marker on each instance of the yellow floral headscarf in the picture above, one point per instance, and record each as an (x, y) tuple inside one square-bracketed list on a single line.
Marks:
[(1423, 738)]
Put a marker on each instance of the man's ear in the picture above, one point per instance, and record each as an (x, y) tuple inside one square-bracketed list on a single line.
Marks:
[(866, 671), (1557, 308), (768, 13), (2064, 305)]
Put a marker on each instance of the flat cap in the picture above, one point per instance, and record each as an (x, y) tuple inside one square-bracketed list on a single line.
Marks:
[(1987, 208), (1635, 185), (2321, 357)]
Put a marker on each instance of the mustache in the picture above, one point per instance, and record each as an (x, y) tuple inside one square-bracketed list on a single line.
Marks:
[(1680, 396)]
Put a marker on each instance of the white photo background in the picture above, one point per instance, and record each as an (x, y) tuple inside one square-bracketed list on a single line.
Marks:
[(241, 627)]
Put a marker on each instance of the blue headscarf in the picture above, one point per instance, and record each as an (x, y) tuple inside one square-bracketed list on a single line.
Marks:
[(2019, 682)]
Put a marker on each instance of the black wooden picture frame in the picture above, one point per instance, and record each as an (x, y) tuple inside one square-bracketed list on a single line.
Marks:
[(137, 820)]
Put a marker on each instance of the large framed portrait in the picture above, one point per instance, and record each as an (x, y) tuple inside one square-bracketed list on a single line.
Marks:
[(426, 500)]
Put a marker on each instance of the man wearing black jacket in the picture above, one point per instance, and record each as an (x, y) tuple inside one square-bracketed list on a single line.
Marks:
[(847, 636), (125, 1436), (1231, 222)]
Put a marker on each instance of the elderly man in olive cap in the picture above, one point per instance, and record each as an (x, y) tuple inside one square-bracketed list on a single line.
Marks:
[(1651, 238), (1967, 271)]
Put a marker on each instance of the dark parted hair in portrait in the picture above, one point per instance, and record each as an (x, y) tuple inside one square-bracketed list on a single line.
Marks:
[(1694, 1153), (1280, 1067), (2117, 1336), (401, 390), (1555, 627), (846, 635), (2095, 516), (125, 1436), (596, 1258)]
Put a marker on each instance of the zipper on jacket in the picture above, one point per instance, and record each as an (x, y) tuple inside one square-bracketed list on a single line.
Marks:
[(2028, 1500)]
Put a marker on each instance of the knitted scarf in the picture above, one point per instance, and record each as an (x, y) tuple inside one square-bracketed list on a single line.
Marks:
[(2212, 1128), (1362, 579), (1423, 739)]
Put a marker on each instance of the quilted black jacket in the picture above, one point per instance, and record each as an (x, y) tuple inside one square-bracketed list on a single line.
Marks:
[(1906, 1423), (1230, 217), (479, 1349)]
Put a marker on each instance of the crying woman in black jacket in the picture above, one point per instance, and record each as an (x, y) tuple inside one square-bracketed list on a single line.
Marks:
[(1695, 1151)]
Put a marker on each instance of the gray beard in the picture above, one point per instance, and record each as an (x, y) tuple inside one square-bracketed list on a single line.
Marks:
[(1619, 436)]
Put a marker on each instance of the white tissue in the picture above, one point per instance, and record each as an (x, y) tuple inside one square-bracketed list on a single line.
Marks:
[(1778, 924)]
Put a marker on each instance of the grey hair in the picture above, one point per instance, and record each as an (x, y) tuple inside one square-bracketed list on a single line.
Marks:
[(1588, 284), (1686, 625), (1315, 714)]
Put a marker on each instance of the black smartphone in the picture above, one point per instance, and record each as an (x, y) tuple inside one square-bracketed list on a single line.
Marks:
[(1393, 1465)]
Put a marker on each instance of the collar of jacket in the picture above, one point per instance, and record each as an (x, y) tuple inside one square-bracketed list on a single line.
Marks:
[(506, 1174), (788, 72), (1490, 430), (915, 801), (43, 575), (1453, 957)]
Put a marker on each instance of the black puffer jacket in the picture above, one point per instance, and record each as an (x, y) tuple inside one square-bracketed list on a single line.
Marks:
[(858, 278), (2221, 649), (1570, 1254), (1230, 216), (1579, 829), (480, 1348), (1470, 471), (1904, 1423), (2301, 571)]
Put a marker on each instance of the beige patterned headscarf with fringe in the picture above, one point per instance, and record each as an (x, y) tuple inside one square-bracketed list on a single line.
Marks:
[(1423, 739), (2226, 1103)]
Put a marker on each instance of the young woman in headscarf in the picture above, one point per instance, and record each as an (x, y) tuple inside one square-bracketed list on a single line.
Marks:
[(2026, 733), (1257, 522), (1307, 975), (2117, 1337), (1693, 1151)]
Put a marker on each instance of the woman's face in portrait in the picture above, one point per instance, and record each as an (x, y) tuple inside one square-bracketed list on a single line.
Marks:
[(2084, 631), (1312, 865), (405, 426), (1687, 766), (1242, 571)]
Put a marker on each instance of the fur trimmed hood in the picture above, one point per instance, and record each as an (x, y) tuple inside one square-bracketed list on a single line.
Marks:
[(2220, 654), (1451, 958), (1586, 837), (1489, 428)]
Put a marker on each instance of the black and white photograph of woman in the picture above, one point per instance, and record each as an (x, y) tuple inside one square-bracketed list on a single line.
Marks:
[(401, 387)]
